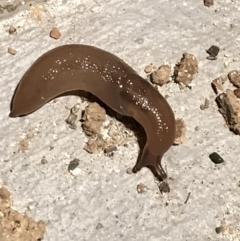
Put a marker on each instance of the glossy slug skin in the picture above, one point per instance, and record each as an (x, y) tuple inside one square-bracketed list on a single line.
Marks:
[(81, 67)]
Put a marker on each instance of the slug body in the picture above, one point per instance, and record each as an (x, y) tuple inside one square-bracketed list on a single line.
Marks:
[(82, 67)]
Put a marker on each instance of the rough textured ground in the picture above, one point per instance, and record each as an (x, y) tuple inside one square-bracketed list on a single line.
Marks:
[(140, 32), (16, 226)]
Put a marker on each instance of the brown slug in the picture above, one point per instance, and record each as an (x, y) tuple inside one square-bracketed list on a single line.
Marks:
[(82, 67)]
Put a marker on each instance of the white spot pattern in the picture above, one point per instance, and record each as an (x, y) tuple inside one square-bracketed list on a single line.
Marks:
[(107, 73)]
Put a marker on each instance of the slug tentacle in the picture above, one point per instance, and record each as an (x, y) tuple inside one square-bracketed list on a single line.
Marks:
[(151, 161)]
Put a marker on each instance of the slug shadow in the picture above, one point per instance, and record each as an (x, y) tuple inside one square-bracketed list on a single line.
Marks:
[(128, 122)]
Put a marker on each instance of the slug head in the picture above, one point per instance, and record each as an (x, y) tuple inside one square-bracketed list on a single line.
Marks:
[(27, 98), (153, 162)]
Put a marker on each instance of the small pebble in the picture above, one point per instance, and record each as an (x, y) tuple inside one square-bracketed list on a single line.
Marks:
[(180, 134), (215, 158), (44, 160), (185, 70), (234, 77), (75, 109), (224, 228), (73, 116), (161, 75), (73, 164), (99, 226), (129, 170), (55, 33), (213, 52), (141, 188), (205, 105), (12, 51), (218, 230), (110, 149), (12, 30), (237, 92), (208, 3), (217, 84), (164, 187), (73, 126), (148, 69)]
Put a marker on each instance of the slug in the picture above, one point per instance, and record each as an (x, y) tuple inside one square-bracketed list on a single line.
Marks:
[(82, 67)]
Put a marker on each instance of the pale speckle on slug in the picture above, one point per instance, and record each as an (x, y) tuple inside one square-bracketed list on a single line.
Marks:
[(87, 65), (145, 104)]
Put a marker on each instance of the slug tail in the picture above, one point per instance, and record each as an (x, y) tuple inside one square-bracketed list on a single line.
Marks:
[(151, 161)]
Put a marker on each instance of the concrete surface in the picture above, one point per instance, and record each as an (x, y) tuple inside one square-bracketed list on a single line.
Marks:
[(140, 32)]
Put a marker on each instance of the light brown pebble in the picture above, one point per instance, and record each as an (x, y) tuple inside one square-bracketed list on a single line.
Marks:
[(237, 92), (12, 51), (185, 70), (93, 119), (95, 146), (229, 107), (141, 188), (161, 75), (180, 132), (73, 116), (217, 84), (234, 77), (55, 33), (148, 69)]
